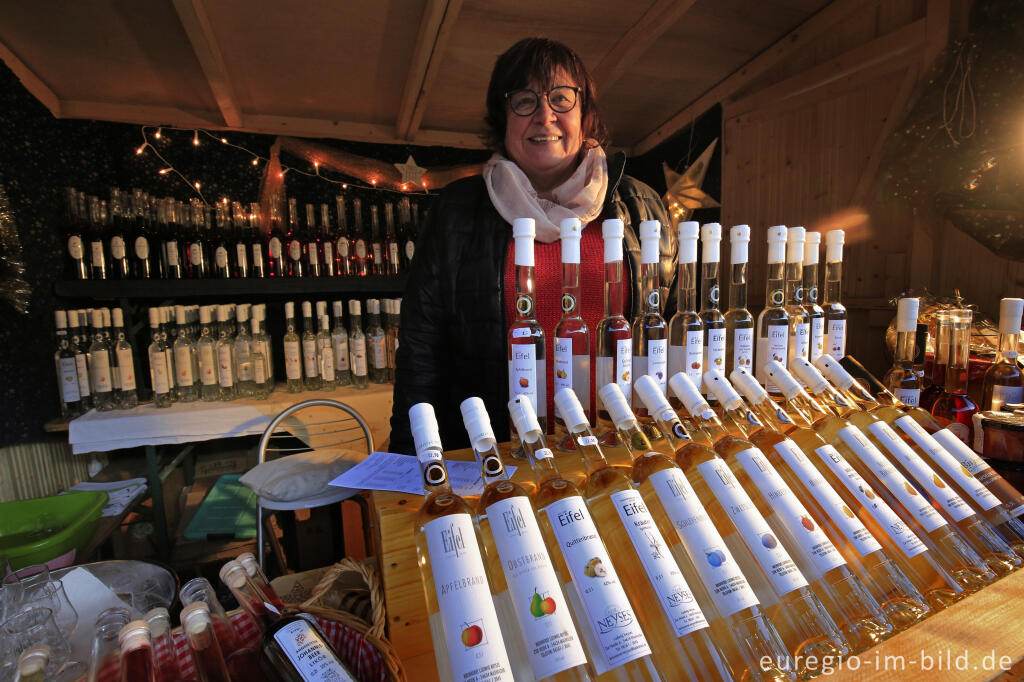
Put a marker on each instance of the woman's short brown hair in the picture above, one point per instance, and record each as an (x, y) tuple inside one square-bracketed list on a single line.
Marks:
[(537, 59)]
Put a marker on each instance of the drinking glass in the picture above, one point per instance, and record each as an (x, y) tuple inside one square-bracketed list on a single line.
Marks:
[(29, 577), (105, 658), (37, 626)]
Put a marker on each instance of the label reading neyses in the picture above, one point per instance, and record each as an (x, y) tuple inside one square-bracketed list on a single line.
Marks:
[(69, 380), (816, 546), (956, 470), (884, 516), (817, 337), (100, 371), (357, 356), (914, 502), (207, 365), (693, 360), (657, 361), (522, 372), (743, 349), (309, 362), (922, 473), (835, 339), (715, 565), (714, 351), (910, 397), (563, 363), (292, 360), (471, 630), (606, 608), (310, 654), (225, 367), (828, 499), (183, 366), (769, 553), (802, 340), (545, 621), (677, 602)]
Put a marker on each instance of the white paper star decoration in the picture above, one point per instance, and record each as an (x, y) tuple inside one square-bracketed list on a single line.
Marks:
[(411, 173), (684, 194)]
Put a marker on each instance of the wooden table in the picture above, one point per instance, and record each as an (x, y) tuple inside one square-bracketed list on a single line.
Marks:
[(984, 622)]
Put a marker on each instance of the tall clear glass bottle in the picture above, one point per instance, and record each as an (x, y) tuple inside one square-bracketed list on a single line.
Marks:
[(376, 241), (392, 256), (357, 345), (206, 353), (80, 347), (295, 243), (650, 332), (903, 380), (739, 323), (263, 384), (276, 259), (313, 246), (614, 360), (361, 263), (686, 329), (186, 366), (572, 336), (67, 371), (223, 244), (954, 409), (261, 344), (773, 322), (245, 372), (241, 241), (292, 351), (835, 312), (328, 262), (1003, 380), (815, 313), (170, 333), (120, 263), (341, 242), (100, 366), (375, 339), (226, 378), (710, 295), (158, 370), (98, 260), (799, 322), (310, 364), (527, 366), (339, 342), (325, 354), (76, 265)]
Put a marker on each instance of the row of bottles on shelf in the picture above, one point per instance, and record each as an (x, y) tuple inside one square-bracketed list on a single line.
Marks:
[(221, 352), (760, 540), (141, 237)]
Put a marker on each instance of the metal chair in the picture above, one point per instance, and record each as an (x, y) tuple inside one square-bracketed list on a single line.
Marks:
[(317, 434)]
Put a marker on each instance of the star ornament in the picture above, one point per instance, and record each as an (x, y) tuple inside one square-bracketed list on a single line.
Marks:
[(411, 173), (684, 194)]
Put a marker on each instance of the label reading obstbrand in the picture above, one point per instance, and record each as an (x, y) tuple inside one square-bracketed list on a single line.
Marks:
[(957, 470), (828, 499), (357, 356), (714, 351), (608, 612), (310, 654), (816, 546), (158, 373), (715, 565), (471, 630), (292, 360), (910, 397), (207, 365), (802, 340), (817, 337), (563, 363), (757, 535), (657, 362), (661, 568), (183, 366), (835, 339), (743, 349), (309, 362), (882, 513), (545, 621), (341, 353), (522, 372), (100, 369), (900, 487), (225, 367), (921, 472), (68, 380)]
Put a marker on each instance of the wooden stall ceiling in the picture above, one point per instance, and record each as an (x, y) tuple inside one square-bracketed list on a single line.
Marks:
[(981, 276)]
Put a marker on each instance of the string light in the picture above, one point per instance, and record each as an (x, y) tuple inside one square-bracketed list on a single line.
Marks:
[(140, 150), (255, 162), (165, 171), (195, 139), (158, 134)]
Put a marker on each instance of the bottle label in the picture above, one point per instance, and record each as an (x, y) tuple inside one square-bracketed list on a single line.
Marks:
[(221, 256), (1006, 394), (68, 372), (775, 347), (357, 356), (588, 441), (295, 250), (932, 483), (802, 340), (342, 247), (835, 340), (859, 537), (141, 248), (171, 250), (818, 550), (623, 367), (75, 249), (714, 351), (326, 360), (606, 609), (241, 255), (552, 643), (657, 362), (340, 352), (158, 372), (207, 365), (769, 553), (100, 371), (244, 362), (914, 502), (378, 255), (715, 565), (259, 368), (195, 254), (380, 359), (329, 253), (312, 253), (393, 252), (309, 359), (257, 254), (361, 249), (117, 250), (97, 252), (690, 356), (817, 337), (904, 538), (563, 363), (225, 367), (911, 397), (311, 656), (522, 373), (275, 247), (82, 367), (410, 249), (743, 349), (183, 366), (661, 568)]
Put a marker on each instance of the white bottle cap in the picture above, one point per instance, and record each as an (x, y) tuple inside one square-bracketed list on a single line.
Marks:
[(571, 231), (747, 384), (478, 424), (398, 306), (781, 377), (689, 233), (650, 394), (61, 318), (615, 402), (206, 315), (711, 243), (372, 306), (136, 633), (254, 326), (906, 315), (612, 231), (321, 308), (524, 418), (524, 230), (224, 313), (233, 574), (689, 394), (73, 318), (97, 318), (195, 618), (289, 309), (722, 389), (812, 242), (307, 309), (165, 314), (179, 314), (834, 246), (777, 244), (118, 317), (1010, 310), (834, 372), (154, 317), (650, 234), (339, 309), (106, 316), (809, 375), (425, 432), (795, 245), (739, 240), (355, 307), (242, 313), (570, 409)]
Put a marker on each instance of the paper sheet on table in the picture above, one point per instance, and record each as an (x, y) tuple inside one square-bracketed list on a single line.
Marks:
[(401, 474), (119, 493), (89, 596)]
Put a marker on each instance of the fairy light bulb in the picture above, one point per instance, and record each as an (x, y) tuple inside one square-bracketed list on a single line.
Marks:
[(140, 150), (255, 162), (165, 171), (197, 185), (195, 138), (223, 140), (158, 134)]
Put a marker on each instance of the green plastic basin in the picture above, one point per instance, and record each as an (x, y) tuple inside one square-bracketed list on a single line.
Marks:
[(37, 530)]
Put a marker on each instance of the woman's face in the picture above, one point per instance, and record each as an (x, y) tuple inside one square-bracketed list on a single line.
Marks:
[(545, 144)]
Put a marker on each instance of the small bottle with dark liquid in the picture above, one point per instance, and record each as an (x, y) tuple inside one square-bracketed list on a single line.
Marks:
[(207, 656), (137, 653)]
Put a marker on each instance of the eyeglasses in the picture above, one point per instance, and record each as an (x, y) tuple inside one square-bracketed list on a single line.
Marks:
[(561, 99)]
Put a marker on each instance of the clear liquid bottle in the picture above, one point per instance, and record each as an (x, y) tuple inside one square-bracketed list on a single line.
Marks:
[(325, 354), (902, 379), (773, 322), (392, 255), (739, 323), (357, 345), (169, 333), (310, 363), (224, 244), (815, 313), (1003, 380), (361, 263), (710, 293), (144, 264), (263, 384), (328, 261), (171, 240), (527, 366), (101, 367), (650, 331), (80, 347), (341, 241), (226, 379), (294, 243), (799, 322), (245, 371), (376, 242), (464, 624), (206, 354), (241, 241), (67, 370), (375, 339), (339, 342), (117, 235), (186, 365), (76, 266), (99, 265), (391, 322), (613, 357), (572, 336), (686, 329), (313, 247), (835, 312)]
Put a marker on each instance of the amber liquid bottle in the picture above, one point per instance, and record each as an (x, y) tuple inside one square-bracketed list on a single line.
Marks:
[(710, 293), (686, 329), (1003, 380), (739, 323), (903, 381), (650, 332), (954, 409)]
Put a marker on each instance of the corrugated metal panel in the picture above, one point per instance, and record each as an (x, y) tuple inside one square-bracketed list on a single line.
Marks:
[(39, 469)]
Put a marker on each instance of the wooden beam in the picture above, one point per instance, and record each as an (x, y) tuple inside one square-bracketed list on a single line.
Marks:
[(938, 17), (204, 44), (796, 39), (32, 82), (899, 103), (659, 18), (439, 18)]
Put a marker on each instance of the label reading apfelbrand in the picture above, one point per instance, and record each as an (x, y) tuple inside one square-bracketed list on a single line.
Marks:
[(357, 356), (225, 366), (606, 608), (769, 553), (828, 499), (309, 361), (117, 248), (714, 351), (292, 360), (183, 366), (545, 620), (835, 339), (914, 502), (563, 363), (310, 654), (816, 546), (158, 373), (380, 359), (68, 380), (743, 349), (207, 365), (957, 470), (817, 337), (82, 368), (662, 571), (341, 352), (522, 372), (715, 565), (883, 514), (471, 630), (1006, 394), (910, 397), (802, 340), (100, 371)]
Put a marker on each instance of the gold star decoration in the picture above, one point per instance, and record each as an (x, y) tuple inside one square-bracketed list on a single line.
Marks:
[(684, 194), (411, 173)]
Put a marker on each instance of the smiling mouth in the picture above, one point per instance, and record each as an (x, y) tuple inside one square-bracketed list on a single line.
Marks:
[(545, 138)]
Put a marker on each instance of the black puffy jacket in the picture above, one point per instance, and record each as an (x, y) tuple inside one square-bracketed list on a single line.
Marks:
[(452, 338)]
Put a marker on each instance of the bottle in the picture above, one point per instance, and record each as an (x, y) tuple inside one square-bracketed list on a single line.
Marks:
[(170, 244), (117, 235), (539, 629), (739, 323), (328, 263), (815, 313), (392, 257), (137, 664), (799, 322), (100, 366), (277, 261), (360, 263), (313, 246), (954, 410), (377, 344), (245, 373), (75, 264), (583, 562), (207, 656), (294, 243), (773, 322), (262, 344), (920, 346), (409, 230), (169, 333), (258, 578), (98, 264), (262, 382), (325, 353), (222, 243), (143, 265), (292, 351), (376, 241), (686, 329), (241, 241), (159, 621), (80, 347), (714, 321), (614, 333), (903, 380), (339, 342), (357, 345), (206, 356), (650, 332), (250, 241), (572, 336), (200, 590), (67, 370), (527, 366), (124, 355), (393, 317), (341, 243), (198, 265), (467, 637), (32, 663), (226, 379), (186, 365), (1003, 383), (310, 363), (835, 312)]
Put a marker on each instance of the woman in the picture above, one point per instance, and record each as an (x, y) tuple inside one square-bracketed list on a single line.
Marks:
[(549, 164)]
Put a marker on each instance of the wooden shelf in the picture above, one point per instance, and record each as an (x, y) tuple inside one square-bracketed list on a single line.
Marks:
[(220, 288)]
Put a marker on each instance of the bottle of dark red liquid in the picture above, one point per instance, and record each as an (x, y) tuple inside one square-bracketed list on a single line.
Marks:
[(257, 576), (137, 663), (207, 655)]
